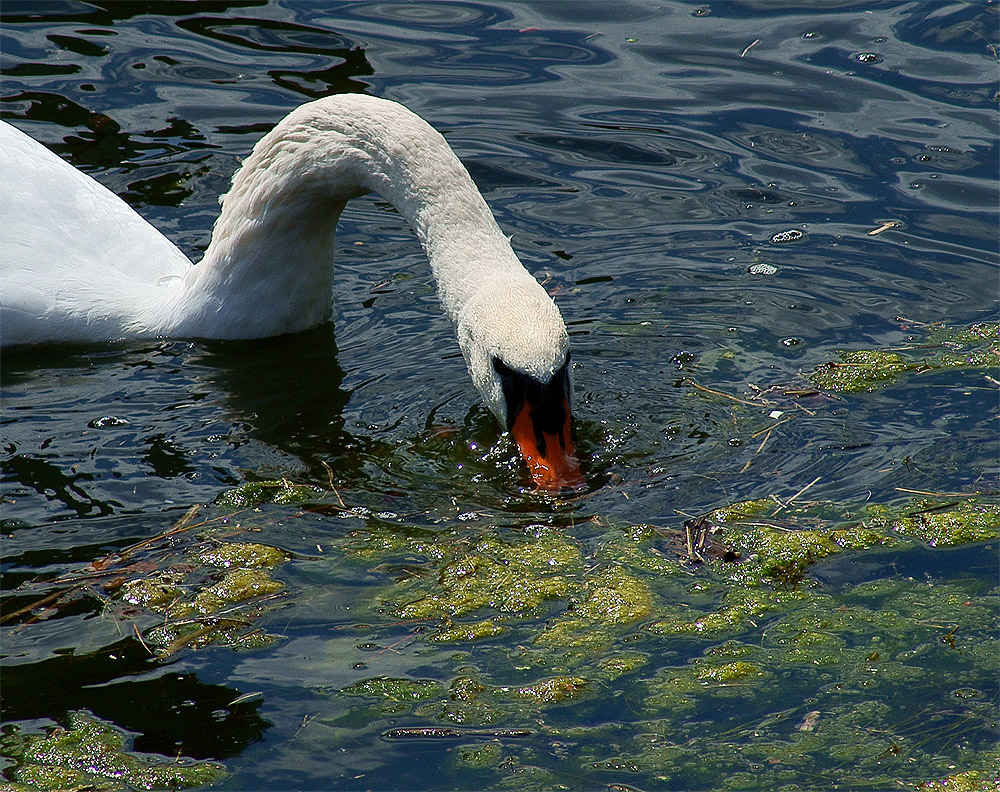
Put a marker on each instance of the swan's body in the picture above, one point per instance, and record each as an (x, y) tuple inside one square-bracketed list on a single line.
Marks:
[(78, 264)]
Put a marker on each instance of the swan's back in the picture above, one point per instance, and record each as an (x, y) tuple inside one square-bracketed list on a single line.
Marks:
[(76, 261)]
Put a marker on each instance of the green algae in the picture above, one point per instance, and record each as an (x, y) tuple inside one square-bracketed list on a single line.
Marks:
[(468, 701), (622, 663), (771, 550), (785, 668), (243, 554), (201, 579), (636, 546), (969, 781), (863, 370), (729, 672), (608, 599), (481, 755), (928, 522), (238, 585), (615, 597), (93, 754), (395, 689), (468, 632), (870, 370), (779, 657), (512, 578), (254, 493), (981, 331), (770, 639), (158, 588), (549, 691)]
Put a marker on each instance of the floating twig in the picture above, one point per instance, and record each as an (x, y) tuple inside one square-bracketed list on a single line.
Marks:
[(938, 494), (55, 596), (702, 388), (807, 486), (139, 636), (443, 733), (885, 225)]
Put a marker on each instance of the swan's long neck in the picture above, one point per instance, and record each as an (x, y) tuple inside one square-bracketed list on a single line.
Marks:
[(272, 246)]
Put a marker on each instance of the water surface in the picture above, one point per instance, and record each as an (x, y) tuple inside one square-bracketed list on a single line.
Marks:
[(642, 157)]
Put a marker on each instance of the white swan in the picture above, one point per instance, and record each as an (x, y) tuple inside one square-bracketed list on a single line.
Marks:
[(78, 264)]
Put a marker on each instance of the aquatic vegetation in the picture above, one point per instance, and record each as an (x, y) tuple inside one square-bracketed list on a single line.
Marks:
[(860, 370), (512, 578), (548, 691), (970, 781), (248, 555), (190, 581), (481, 755), (391, 689), (256, 492), (93, 754), (773, 545), (774, 680), (614, 597), (940, 526), (977, 346), (469, 631), (740, 668), (468, 700)]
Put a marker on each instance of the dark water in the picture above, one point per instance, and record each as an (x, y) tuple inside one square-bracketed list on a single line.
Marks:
[(642, 156)]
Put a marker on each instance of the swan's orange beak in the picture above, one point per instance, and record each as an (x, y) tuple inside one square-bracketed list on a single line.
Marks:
[(548, 455)]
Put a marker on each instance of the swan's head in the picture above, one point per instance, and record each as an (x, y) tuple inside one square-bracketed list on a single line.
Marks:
[(517, 349)]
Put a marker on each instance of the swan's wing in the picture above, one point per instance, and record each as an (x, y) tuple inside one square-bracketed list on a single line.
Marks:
[(76, 262)]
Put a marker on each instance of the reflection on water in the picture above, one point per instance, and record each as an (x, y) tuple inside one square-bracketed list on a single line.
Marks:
[(643, 161)]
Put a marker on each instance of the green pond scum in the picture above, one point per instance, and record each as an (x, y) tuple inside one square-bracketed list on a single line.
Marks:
[(977, 346), (91, 754), (743, 672)]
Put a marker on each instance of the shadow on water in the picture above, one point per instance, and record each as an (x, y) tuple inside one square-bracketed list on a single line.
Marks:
[(170, 711), (288, 392)]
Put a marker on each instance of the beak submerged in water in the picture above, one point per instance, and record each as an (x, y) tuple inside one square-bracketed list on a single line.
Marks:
[(540, 421), (548, 455)]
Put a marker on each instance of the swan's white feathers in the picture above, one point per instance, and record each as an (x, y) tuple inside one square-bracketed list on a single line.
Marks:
[(79, 264)]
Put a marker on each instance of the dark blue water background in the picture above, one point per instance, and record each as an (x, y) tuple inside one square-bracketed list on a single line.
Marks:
[(642, 156)]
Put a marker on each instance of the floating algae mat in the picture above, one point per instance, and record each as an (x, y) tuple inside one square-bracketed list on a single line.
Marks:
[(977, 346), (736, 671), (709, 657), (91, 754), (202, 585)]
